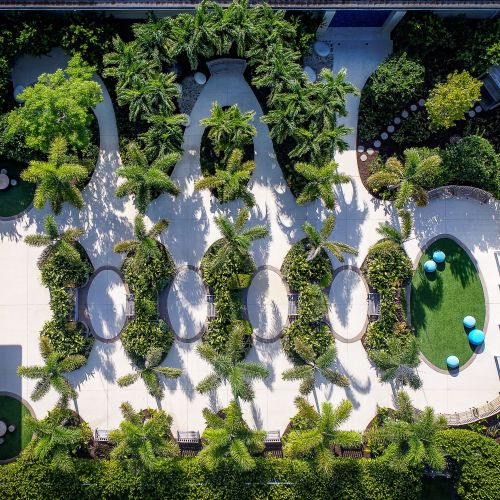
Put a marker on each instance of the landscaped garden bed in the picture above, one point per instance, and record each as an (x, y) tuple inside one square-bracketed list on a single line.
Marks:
[(441, 300)]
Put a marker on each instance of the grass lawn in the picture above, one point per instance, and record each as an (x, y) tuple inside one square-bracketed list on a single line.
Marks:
[(15, 199), (12, 411), (439, 304)]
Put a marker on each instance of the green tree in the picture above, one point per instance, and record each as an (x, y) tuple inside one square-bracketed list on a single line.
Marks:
[(322, 433), (230, 367), (314, 365), (143, 437), (448, 102), (58, 105), (150, 373), (164, 134), (229, 128), (55, 178), (55, 241), (230, 437), (398, 361), (316, 240), (320, 180), (230, 180), (411, 438), (144, 181), (51, 373)]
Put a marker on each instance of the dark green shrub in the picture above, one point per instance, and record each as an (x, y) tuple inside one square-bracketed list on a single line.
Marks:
[(68, 338), (413, 131), (59, 271), (61, 304), (316, 335), (312, 306)]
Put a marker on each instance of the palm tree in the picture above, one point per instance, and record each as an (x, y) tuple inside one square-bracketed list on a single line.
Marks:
[(146, 181), (51, 374), (143, 437), (323, 433), (236, 240), (229, 366), (398, 361), (150, 373), (392, 233), (319, 182), (230, 182), (411, 437), (319, 239), (229, 128), (55, 178), (239, 25), (146, 243), (230, 437), (55, 241), (313, 365), (406, 180), (52, 441), (164, 134), (155, 40)]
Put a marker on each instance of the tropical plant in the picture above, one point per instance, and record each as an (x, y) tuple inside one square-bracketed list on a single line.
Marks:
[(51, 373), (230, 180), (150, 373), (236, 240), (322, 433), (319, 239), (154, 39), (229, 436), (398, 361), (320, 179), (164, 134), (314, 365), (143, 437), (392, 233), (146, 181), (55, 178), (411, 438), (55, 241), (228, 366), (229, 128)]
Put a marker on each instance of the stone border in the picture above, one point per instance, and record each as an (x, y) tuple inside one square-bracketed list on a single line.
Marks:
[(30, 409), (163, 305), (17, 216), (266, 267), (422, 249), (360, 335), (83, 312)]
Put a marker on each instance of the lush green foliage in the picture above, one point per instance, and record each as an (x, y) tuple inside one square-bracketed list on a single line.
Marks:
[(316, 335), (68, 338)]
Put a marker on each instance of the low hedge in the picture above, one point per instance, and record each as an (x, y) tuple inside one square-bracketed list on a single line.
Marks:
[(68, 338), (316, 335)]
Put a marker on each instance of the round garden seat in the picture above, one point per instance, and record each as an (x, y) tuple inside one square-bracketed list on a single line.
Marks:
[(476, 337), (321, 48), (469, 322), (452, 362), (430, 266), (438, 256)]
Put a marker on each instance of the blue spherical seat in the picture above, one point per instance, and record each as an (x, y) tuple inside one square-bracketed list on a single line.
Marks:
[(469, 322), (476, 337), (452, 362), (430, 266), (438, 256)]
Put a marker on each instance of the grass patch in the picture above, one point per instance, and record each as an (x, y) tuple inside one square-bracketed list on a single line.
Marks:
[(15, 199), (12, 412), (439, 303)]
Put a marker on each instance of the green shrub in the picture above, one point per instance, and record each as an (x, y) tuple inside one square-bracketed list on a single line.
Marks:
[(61, 304), (312, 306), (58, 271), (316, 335), (413, 131), (68, 338), (239, 281)]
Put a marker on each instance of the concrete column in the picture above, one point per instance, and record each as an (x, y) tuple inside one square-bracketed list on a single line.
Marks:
[(327, 18), (392, 21)]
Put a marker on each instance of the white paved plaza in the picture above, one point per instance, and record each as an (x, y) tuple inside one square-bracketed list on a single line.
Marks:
[(24, 301)]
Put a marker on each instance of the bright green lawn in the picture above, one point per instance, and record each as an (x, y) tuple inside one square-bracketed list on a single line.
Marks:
[(12, 411), (15, 199), (439, 303)]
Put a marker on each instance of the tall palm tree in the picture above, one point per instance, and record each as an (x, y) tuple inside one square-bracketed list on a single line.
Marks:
[(154, 39), (238, 25), (55, 241), (146, 181), (229, 128), (55, 178), (150, 373), (406, 180), (411, 437), (164, 134), (230, 437), (323, 434), (145, 242), (319, 182), (236, 240), (143, 437), (52, 441), (51, 374), (319, 239), (398, 361), (229, 366), (230, 181), (392, 233), (313, 365)]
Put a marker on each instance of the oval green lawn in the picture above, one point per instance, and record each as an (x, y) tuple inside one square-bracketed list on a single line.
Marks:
[(439, 303), (12, 412), (15, 199)]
